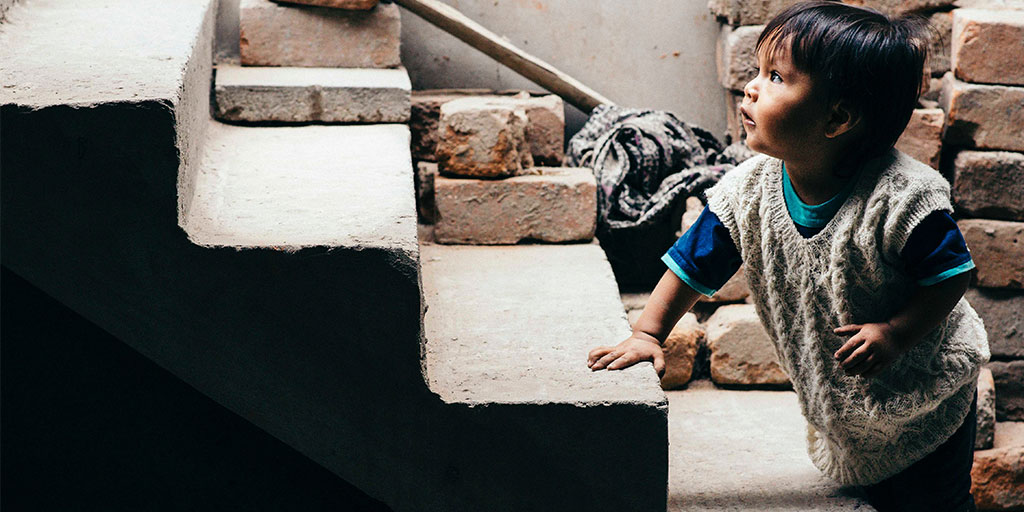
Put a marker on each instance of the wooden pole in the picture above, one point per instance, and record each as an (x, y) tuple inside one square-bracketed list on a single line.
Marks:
[(472, 33)]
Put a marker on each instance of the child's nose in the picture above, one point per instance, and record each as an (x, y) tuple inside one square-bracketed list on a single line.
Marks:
[(750, 90)]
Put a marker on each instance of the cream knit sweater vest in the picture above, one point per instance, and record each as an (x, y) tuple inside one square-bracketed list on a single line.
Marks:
[(860, 431)]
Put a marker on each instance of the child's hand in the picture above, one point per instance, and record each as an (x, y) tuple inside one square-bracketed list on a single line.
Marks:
[(872, 349), (636, 348)]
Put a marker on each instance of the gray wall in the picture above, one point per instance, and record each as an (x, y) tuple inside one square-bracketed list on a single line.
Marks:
[(642, 53)]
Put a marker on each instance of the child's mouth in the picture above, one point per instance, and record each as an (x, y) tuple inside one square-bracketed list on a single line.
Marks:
[(745, 118)]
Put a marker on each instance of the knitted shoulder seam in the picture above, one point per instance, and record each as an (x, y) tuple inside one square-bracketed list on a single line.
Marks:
[(927, 192), (724, 197)]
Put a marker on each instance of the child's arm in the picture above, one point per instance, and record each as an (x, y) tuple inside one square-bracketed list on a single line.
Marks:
[(670, 299), (875, 346)]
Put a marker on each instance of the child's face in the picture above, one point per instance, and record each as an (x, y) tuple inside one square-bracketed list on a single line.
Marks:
[(783, 113)]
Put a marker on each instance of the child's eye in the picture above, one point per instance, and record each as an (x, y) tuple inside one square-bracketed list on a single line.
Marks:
[(776, 77)]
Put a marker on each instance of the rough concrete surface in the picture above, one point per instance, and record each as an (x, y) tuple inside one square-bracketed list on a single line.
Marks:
[(359, 5), (997, 247), (982, 116), (515, 325), (299, 95), (557, 204), (987, 46), (294, 35), (92, 51), (745, 450), (1004, 321), (989, 184), (304, 186), (922, 139), (737, 58)]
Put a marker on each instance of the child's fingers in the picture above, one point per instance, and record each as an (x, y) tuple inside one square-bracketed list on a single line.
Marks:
[(596, 354), (604, 360), (847, 329), (862, 366), (848, 347), (659, 364), (855, 358), (627, 359)]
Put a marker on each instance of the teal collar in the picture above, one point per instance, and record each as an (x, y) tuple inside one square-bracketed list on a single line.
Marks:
[(812, 216)]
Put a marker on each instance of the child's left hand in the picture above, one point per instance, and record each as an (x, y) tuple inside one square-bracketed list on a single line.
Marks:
[(872, 349)]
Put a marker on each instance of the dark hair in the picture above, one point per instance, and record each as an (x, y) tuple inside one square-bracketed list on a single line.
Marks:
[(859, 55)]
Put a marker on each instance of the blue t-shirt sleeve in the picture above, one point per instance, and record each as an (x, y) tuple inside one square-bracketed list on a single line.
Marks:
[(705, 257), (935, 250)]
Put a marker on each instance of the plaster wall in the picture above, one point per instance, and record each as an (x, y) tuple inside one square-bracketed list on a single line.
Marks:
[(652, 53)]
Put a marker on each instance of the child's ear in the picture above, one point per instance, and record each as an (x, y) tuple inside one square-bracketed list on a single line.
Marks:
[(842, 118)]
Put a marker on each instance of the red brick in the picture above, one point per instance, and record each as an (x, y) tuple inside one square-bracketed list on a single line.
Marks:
[(988, 46), (758, 12), (1004, 323), (997, 477), (557, 205), (989, 184), (304, 36), (983, 116), (481, 137), (680, 349), (922, 139), (737, 56), (741, 352), (997, 247), (986, 413)]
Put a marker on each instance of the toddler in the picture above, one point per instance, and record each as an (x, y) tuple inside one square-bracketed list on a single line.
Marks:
[(856, 269)]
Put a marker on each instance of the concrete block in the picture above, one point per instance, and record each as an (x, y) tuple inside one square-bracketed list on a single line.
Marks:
[(989, 184), (741, 352), (303, 36), (356, 5), (482, 137), (737, 58), (545, 128), (1009, 382), (557, 205), (1003, 313), (987, 46), (997, 247), (303, 95), (757, 12), (982, 116), (997, 477), (986, 411), (922, 138)]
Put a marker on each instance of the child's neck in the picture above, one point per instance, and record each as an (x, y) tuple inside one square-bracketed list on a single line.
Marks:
[(815, 180)]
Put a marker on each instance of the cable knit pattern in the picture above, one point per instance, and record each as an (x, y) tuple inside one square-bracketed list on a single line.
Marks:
[(860, 431)]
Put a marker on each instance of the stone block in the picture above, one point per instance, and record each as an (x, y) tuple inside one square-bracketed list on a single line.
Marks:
[(355, 5), (1003, 313), (693, 209), (426, 172), (734, 290), (304, 95), (557, 205), (757, 12), (997, 477), (986, 411), (922, 138), (989, 184), (1009, 381), (982, 116), (481, 137), (734, 124), (997, 247), (545, 129), (741, 352), (303, 36), (988, 46), (939, 41), (737, 56)]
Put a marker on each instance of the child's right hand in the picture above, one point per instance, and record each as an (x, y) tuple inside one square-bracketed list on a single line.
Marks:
[(636, 348)]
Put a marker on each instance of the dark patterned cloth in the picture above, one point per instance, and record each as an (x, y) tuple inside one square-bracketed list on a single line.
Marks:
[(646, 163)]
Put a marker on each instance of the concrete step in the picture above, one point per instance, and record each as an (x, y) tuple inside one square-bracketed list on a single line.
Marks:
[(745, 450), (295, 187), (305, 95), (507, 333)]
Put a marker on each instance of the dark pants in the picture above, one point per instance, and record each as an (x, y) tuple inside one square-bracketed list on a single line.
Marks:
[(940, 482)]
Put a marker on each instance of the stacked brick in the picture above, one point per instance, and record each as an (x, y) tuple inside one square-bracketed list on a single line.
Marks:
[(487, 169), (322, 61), (969, 127)]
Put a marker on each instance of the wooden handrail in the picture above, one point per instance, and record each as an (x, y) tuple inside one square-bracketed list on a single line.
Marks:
[(472, 33)]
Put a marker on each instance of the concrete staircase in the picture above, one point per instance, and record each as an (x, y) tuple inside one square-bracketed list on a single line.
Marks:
[(277, 270)]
